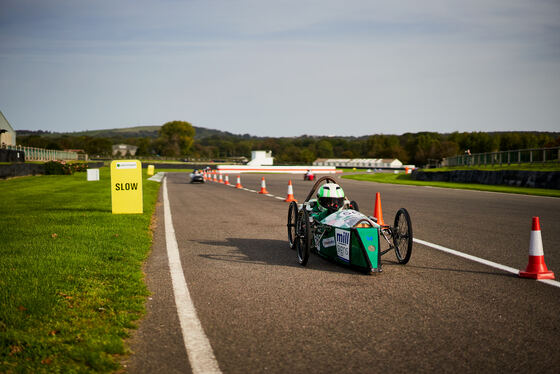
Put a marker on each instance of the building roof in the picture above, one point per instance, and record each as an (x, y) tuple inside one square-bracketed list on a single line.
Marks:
[(4, 124)]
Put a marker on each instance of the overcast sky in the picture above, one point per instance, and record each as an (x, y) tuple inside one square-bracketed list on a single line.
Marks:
[(282, 67)]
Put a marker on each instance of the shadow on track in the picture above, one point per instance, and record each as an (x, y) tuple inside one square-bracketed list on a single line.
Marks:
[(269, 252), (496, 273)]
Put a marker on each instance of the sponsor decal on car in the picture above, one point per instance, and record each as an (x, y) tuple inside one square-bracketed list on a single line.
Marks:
[(343, 244), (328, 242)]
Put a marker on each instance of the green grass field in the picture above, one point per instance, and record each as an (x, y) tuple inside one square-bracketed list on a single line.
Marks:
[(406, 179), (71, 281)]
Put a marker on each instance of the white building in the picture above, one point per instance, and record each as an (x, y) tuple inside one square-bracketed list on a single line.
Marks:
[(359, 162), (124, 149), (7, 133), (261, 158)]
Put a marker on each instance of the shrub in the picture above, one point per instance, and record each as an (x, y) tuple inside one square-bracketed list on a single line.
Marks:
[(62, 168)]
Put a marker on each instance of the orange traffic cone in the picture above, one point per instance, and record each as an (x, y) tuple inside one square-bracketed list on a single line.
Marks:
[(221, 180), (536, 269), (215, 176), (238, 184), (377, 213), (227, 180), (290, 196), (263, 187)]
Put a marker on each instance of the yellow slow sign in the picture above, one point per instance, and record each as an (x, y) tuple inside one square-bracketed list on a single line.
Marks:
[(126, 187)]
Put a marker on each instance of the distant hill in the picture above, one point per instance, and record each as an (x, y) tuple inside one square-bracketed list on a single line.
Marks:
[(129, 132)]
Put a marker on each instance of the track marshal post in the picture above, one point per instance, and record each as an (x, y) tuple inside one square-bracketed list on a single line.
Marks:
[(126, 187)]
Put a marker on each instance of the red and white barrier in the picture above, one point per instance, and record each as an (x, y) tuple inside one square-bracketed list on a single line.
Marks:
[(229, 169)]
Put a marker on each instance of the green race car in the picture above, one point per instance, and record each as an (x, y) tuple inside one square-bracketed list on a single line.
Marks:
[(332, 226)]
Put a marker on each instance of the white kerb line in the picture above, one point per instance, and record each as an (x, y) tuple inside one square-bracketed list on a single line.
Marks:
[(481, 260), (199, 350)]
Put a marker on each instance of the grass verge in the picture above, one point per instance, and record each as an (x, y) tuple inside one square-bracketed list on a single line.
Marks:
[(406, 179), (71, 280), (549, 166)]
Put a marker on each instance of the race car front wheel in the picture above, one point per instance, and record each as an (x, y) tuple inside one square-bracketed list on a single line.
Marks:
[(402, 236), (292, 224), (303, 242)]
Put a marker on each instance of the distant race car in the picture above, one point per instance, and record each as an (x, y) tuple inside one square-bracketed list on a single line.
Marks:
[(308, 176), (197, 176), (332, 226)]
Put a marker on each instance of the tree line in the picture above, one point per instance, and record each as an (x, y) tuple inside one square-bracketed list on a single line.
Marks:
[(177, 139)]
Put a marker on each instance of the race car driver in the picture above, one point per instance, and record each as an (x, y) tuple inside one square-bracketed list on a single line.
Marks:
[(330, 199)]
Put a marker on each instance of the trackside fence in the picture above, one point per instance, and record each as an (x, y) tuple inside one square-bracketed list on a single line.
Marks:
[(520, 156), (40, 154)]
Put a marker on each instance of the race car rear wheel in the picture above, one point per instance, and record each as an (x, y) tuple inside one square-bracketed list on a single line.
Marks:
[(354, 205), (402, 236), (292, 224), (303, 242)]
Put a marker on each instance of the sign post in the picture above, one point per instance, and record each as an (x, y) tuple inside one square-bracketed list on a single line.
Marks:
[(126, 187)]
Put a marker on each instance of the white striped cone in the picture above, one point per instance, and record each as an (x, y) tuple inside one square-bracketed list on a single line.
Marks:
[(238, 184), (536, 269), (290, 196), (215, 177), (263, 187), (221, 178), (227, 180)]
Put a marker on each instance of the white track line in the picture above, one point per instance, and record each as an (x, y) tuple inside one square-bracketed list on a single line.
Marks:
[(481, 261), (199, 351)]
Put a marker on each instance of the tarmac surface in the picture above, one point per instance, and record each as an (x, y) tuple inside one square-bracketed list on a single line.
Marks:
[(263, 312)]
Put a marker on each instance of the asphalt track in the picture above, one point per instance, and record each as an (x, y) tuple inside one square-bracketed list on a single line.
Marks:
[(263, 312)]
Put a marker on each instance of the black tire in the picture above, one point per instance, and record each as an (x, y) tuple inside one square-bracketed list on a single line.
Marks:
[(402, 236), (354, 205), (303, 242), (292, 224)]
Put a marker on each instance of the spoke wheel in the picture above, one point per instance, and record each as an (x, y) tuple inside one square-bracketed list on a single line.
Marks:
[(292, 224), (402, 236), (303, 242)]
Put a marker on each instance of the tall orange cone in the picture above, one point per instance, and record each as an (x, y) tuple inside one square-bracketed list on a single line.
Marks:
[(221, 180), (536, 269), (263, 187), (227, 180), (238, 184), (377, 213), (290, 196), (215, 177)]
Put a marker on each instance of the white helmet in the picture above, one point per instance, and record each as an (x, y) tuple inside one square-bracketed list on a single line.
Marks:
[(330, 197)]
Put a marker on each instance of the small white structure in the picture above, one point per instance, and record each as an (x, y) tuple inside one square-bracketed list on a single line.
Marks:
[(92, 174), (124, 149), (261, 158)]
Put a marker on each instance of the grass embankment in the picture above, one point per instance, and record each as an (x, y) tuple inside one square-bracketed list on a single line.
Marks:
[(70, 273), (550, 166), (406, 179)]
